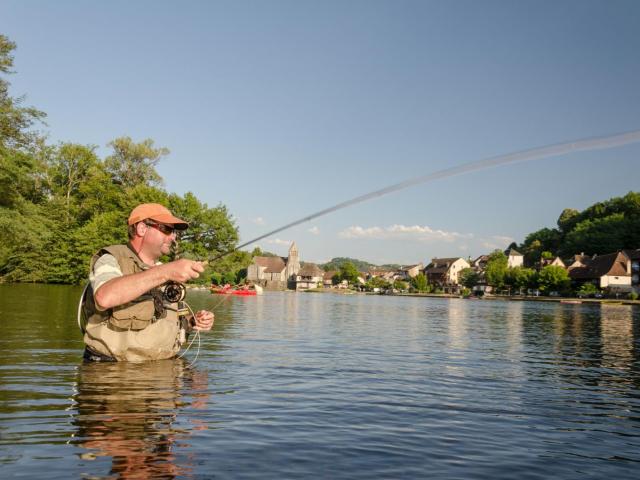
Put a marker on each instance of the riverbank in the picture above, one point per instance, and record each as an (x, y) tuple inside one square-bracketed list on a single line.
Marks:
[(567, 300)]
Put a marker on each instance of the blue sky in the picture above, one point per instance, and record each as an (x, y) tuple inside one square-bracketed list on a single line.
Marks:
[(279, 109)]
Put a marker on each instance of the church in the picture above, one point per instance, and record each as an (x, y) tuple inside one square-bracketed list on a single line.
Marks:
[(275, 273)]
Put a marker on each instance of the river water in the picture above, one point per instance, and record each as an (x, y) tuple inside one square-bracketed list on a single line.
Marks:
[(295, 385)]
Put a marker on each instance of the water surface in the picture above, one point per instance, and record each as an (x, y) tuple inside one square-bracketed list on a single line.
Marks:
[(299, 385)]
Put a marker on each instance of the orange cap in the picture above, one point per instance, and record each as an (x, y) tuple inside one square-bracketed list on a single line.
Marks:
[(157, 212)]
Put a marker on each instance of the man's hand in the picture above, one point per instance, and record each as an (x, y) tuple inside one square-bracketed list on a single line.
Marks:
[(204, 320), (183, 270)]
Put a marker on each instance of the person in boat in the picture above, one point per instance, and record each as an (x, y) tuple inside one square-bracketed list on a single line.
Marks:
[(128, 318)]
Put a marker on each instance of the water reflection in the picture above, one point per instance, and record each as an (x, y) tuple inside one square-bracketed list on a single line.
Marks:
[(129, 412)]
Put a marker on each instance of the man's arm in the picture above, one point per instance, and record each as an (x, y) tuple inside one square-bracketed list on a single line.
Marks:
[(127, 288)]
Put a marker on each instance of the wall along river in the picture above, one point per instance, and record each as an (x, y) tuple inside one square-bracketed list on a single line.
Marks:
[(299, 385)]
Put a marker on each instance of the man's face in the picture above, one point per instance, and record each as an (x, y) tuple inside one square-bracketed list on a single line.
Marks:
[(158, 238)]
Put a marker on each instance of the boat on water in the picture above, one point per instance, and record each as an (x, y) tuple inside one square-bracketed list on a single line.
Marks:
[(243, 291)]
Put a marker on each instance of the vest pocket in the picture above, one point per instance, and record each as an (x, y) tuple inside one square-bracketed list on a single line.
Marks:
[(135, 316)]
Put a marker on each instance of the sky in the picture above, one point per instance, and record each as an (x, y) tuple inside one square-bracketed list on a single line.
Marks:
[(278, 109)]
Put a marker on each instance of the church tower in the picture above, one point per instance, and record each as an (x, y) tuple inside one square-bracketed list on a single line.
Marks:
[(293, 262)]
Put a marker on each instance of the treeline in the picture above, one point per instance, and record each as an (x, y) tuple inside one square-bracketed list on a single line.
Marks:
[(60, 203), (604, 227), (338, 262)]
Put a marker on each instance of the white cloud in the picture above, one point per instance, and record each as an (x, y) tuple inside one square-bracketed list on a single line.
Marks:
[(496, 242), (411, 232), (314, 230), (258, 221), (279, 241)]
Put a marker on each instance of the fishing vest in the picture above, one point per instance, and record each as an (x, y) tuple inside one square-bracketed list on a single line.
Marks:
[(135, 315)]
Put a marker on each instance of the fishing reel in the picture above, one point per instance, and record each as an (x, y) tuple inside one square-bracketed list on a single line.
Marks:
[(174, 292)]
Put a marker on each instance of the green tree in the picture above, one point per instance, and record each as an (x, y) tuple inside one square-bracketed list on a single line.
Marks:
[(587, 290), (377, 282), (553, 278), (15, 119), (133, 163), (419, 283), (400, 285), (469, 277), (349, 272), (496, 269), (519, 278)]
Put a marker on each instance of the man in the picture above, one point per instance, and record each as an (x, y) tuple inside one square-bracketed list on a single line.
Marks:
[(127, 316)]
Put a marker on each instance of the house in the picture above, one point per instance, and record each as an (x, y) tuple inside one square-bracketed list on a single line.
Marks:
[(634, 257), (443, 272), (327, 278), (388, 275), (514, 258), (611, 271), (407, 273), (275, 273), (309, 276), (480, 263), (545, 262)]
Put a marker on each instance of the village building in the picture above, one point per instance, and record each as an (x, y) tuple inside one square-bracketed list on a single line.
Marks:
[(407, 273), (309, 276), (443, 272), (634, 258), (514, 258), (388, 275), (480, 263), (545, 262), (327, 278), (275, 273), (611, 271)]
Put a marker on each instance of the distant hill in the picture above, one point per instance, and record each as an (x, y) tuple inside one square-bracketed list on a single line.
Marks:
[(336, 263), (361, 265)]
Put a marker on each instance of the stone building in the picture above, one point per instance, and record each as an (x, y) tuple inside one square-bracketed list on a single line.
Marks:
[(275, 273)]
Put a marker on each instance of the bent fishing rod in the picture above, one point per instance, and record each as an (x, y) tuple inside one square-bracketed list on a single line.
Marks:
[(538, 153)]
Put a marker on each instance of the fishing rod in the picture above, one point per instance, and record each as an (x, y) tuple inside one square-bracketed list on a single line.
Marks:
[(538, 153), (176, 292)]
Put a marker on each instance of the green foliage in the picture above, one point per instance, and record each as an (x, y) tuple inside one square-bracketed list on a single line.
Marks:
[(604, 227), (400, 285), (419, 283), (519, 278), (468, 277), (349, 272), (377, 282), (338, 262), (543, 240), (15, 120), (553, 278), (60, 204), (133, 163), (587, 290), (633, 296), (496, 269)]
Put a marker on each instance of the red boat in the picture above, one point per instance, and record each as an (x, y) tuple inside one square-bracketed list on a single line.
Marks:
[(243, 291)]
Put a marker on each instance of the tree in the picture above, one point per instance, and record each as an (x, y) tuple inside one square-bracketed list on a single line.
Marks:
[(349, 272), (15, 120), (568, 219), (400, 285), (419, 283), (520, 278), (587, 290), (377, 282), (468, 277), (133, 163), (553, 278), (496, 269), (70, 166)]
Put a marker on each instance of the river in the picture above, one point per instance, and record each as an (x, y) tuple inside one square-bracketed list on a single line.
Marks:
[(297, 385)]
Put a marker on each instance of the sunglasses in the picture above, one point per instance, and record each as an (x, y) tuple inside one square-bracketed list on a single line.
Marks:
[(166, 229)]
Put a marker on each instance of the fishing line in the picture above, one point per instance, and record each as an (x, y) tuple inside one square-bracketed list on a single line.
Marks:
[(538, 153)]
